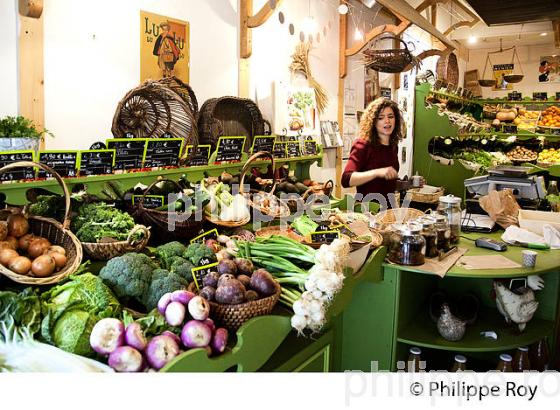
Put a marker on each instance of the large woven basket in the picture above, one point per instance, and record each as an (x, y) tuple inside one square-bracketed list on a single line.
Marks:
[(159, 220), (233, 316), (448, 69), (152, 110), (277, 230), (106, 250), (54, 231), (390, 60), (230, 116), (282, 209), (184, 90)]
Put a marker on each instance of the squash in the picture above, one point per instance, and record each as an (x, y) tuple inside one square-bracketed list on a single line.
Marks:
[(506, 115)]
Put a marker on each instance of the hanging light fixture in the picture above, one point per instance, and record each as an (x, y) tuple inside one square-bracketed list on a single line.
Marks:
[(309, 24)]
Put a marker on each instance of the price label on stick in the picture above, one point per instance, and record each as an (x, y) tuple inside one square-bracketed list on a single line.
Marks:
[(211, 234), (200, 272), (324, 236), (63, 162), (149, 201)]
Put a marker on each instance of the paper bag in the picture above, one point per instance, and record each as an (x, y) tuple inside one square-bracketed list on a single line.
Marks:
[(501, 206)]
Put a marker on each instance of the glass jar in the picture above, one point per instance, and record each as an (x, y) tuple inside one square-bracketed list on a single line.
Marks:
[(414, 359), (450, 206), (552, 188), (459, 365), (406, 245), (538, 356), (521, 361), (504, 365), (443, 241), (430, 235)]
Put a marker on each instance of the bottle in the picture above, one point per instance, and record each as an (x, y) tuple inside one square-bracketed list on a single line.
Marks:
[(450, 206), (538, 356), (414, 359), (552, 188), (459, 364), (504, 365), (521, 360)]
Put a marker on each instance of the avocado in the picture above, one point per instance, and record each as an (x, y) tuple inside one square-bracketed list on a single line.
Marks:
[(300, 187)]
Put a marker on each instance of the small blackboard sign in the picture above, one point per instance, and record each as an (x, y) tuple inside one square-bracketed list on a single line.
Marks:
[(385, 92), (540, 96), (200, 272), (162, 152), (17, 174), (280, 150), (200, 156), (63, 162), (96, 161), (211, 234), (98, 145), (509, 129), (324, 236), (230, 149), (263, 143), (293, 149), (310, 148), (558, 96), (149, 201), (128, 153), (167, 135), (514, 96), (129, 134), (554, 131)]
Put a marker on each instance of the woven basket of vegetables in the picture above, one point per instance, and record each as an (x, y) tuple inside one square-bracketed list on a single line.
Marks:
[(37, 237), (108, 248)]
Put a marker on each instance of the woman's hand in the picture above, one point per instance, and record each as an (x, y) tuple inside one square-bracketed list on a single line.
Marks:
[(387, 173)]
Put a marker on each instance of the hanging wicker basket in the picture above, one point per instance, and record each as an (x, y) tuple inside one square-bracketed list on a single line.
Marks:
[(152, 110), (230, 116), (448, 69), (391, 60), (184, 90), (106, 250), (54, 231)]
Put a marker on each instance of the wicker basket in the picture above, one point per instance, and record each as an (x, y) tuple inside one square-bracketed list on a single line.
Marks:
[(233, 316), (418, 196), (184, 90), (448, 69), (513, 78), (487, 83), (153, 109), (396, 215), (282, 210), (229, 116), (159, 220), (106, 250), (391, 60), (55, 232), (276, 230)]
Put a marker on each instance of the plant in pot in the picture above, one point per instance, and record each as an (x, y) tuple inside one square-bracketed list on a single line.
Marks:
[(19, 133)]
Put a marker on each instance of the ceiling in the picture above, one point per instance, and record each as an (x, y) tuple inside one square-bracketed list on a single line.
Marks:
[(500, 12)]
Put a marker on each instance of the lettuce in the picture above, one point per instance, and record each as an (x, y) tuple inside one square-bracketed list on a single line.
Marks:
[(23, 308)]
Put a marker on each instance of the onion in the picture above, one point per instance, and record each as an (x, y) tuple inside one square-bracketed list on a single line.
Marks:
[(43, 266), (6, 245), (59, 259), (57, 249), (21, 265), (7, 255), (38, 247), (3, 230), (17, 225), (13, 242), (25, 241)]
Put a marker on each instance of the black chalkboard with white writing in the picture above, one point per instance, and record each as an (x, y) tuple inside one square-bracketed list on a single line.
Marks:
[(200, 156), (63, 162), (230, 149), (162, 152), (263, 143), (128, 152), (17, 174), (96, 162)]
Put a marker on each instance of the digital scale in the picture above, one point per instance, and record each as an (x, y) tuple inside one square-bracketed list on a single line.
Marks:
[(523, 186)]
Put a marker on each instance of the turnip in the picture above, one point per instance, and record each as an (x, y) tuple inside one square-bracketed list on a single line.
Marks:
[(210, 323), (199, 308), (208, 293), (126, 359), (134, 336), (219, 341), (163, 302), (182, 296), (160, 351), (107, 335), (172, 336), (196, 334), (175, 313), (211, 279)]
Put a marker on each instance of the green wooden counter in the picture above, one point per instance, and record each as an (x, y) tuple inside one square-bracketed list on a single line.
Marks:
[(388, 316)]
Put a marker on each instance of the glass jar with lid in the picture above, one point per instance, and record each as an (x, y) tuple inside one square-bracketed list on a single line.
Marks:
[(443, 233), (459, 363), (450, 206), (504, 365), (430, 235), (407, 245), (414, 362)]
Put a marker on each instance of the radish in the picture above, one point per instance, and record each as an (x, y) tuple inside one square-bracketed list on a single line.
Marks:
[(107, 335), (163, 302), (199, 308), (160, 351), (182, 296), (134, 336), (219, 341), (196, 334), (126, 359), (175, 313)]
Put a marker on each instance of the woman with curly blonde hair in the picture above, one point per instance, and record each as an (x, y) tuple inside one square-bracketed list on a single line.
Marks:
[(373, 164)]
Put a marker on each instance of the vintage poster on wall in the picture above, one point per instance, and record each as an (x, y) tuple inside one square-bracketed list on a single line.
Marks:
[(549, 69), (164, 47), (500, 70), (371, 85), (295, 110)]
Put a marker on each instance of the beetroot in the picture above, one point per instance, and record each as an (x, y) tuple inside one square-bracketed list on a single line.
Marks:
[(211, 279), (246, 280), (227, 266), (224, 278), (244, 266), (251, 295), (230, 292), (208, 293), (219, 341), (263, 282)]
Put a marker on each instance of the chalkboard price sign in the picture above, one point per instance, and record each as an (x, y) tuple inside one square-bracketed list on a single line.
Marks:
[(200, 156), (324, 236), (280, 150), (310, 148), (149, 201), (200, 272), (540, 96), (263, 143), (128, 152), (230, 149), (167, 135), (63, 162), (509, 129), (98, 145), (162, 152), (558, 96), (514, 96), (129, 135), (17, 174), (96, 161), (211, 234), (293, 148)]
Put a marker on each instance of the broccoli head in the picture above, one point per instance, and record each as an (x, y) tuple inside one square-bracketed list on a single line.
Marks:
[(182, 267), (162, 282), (166, 252), (129, 275), (196, 251), (99, 220)]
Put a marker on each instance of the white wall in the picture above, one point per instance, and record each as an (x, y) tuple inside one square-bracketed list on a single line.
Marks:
[(8, 57), (530, 59)]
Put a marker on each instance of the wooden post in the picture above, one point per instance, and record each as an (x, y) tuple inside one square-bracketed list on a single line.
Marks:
[(343, 20)]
